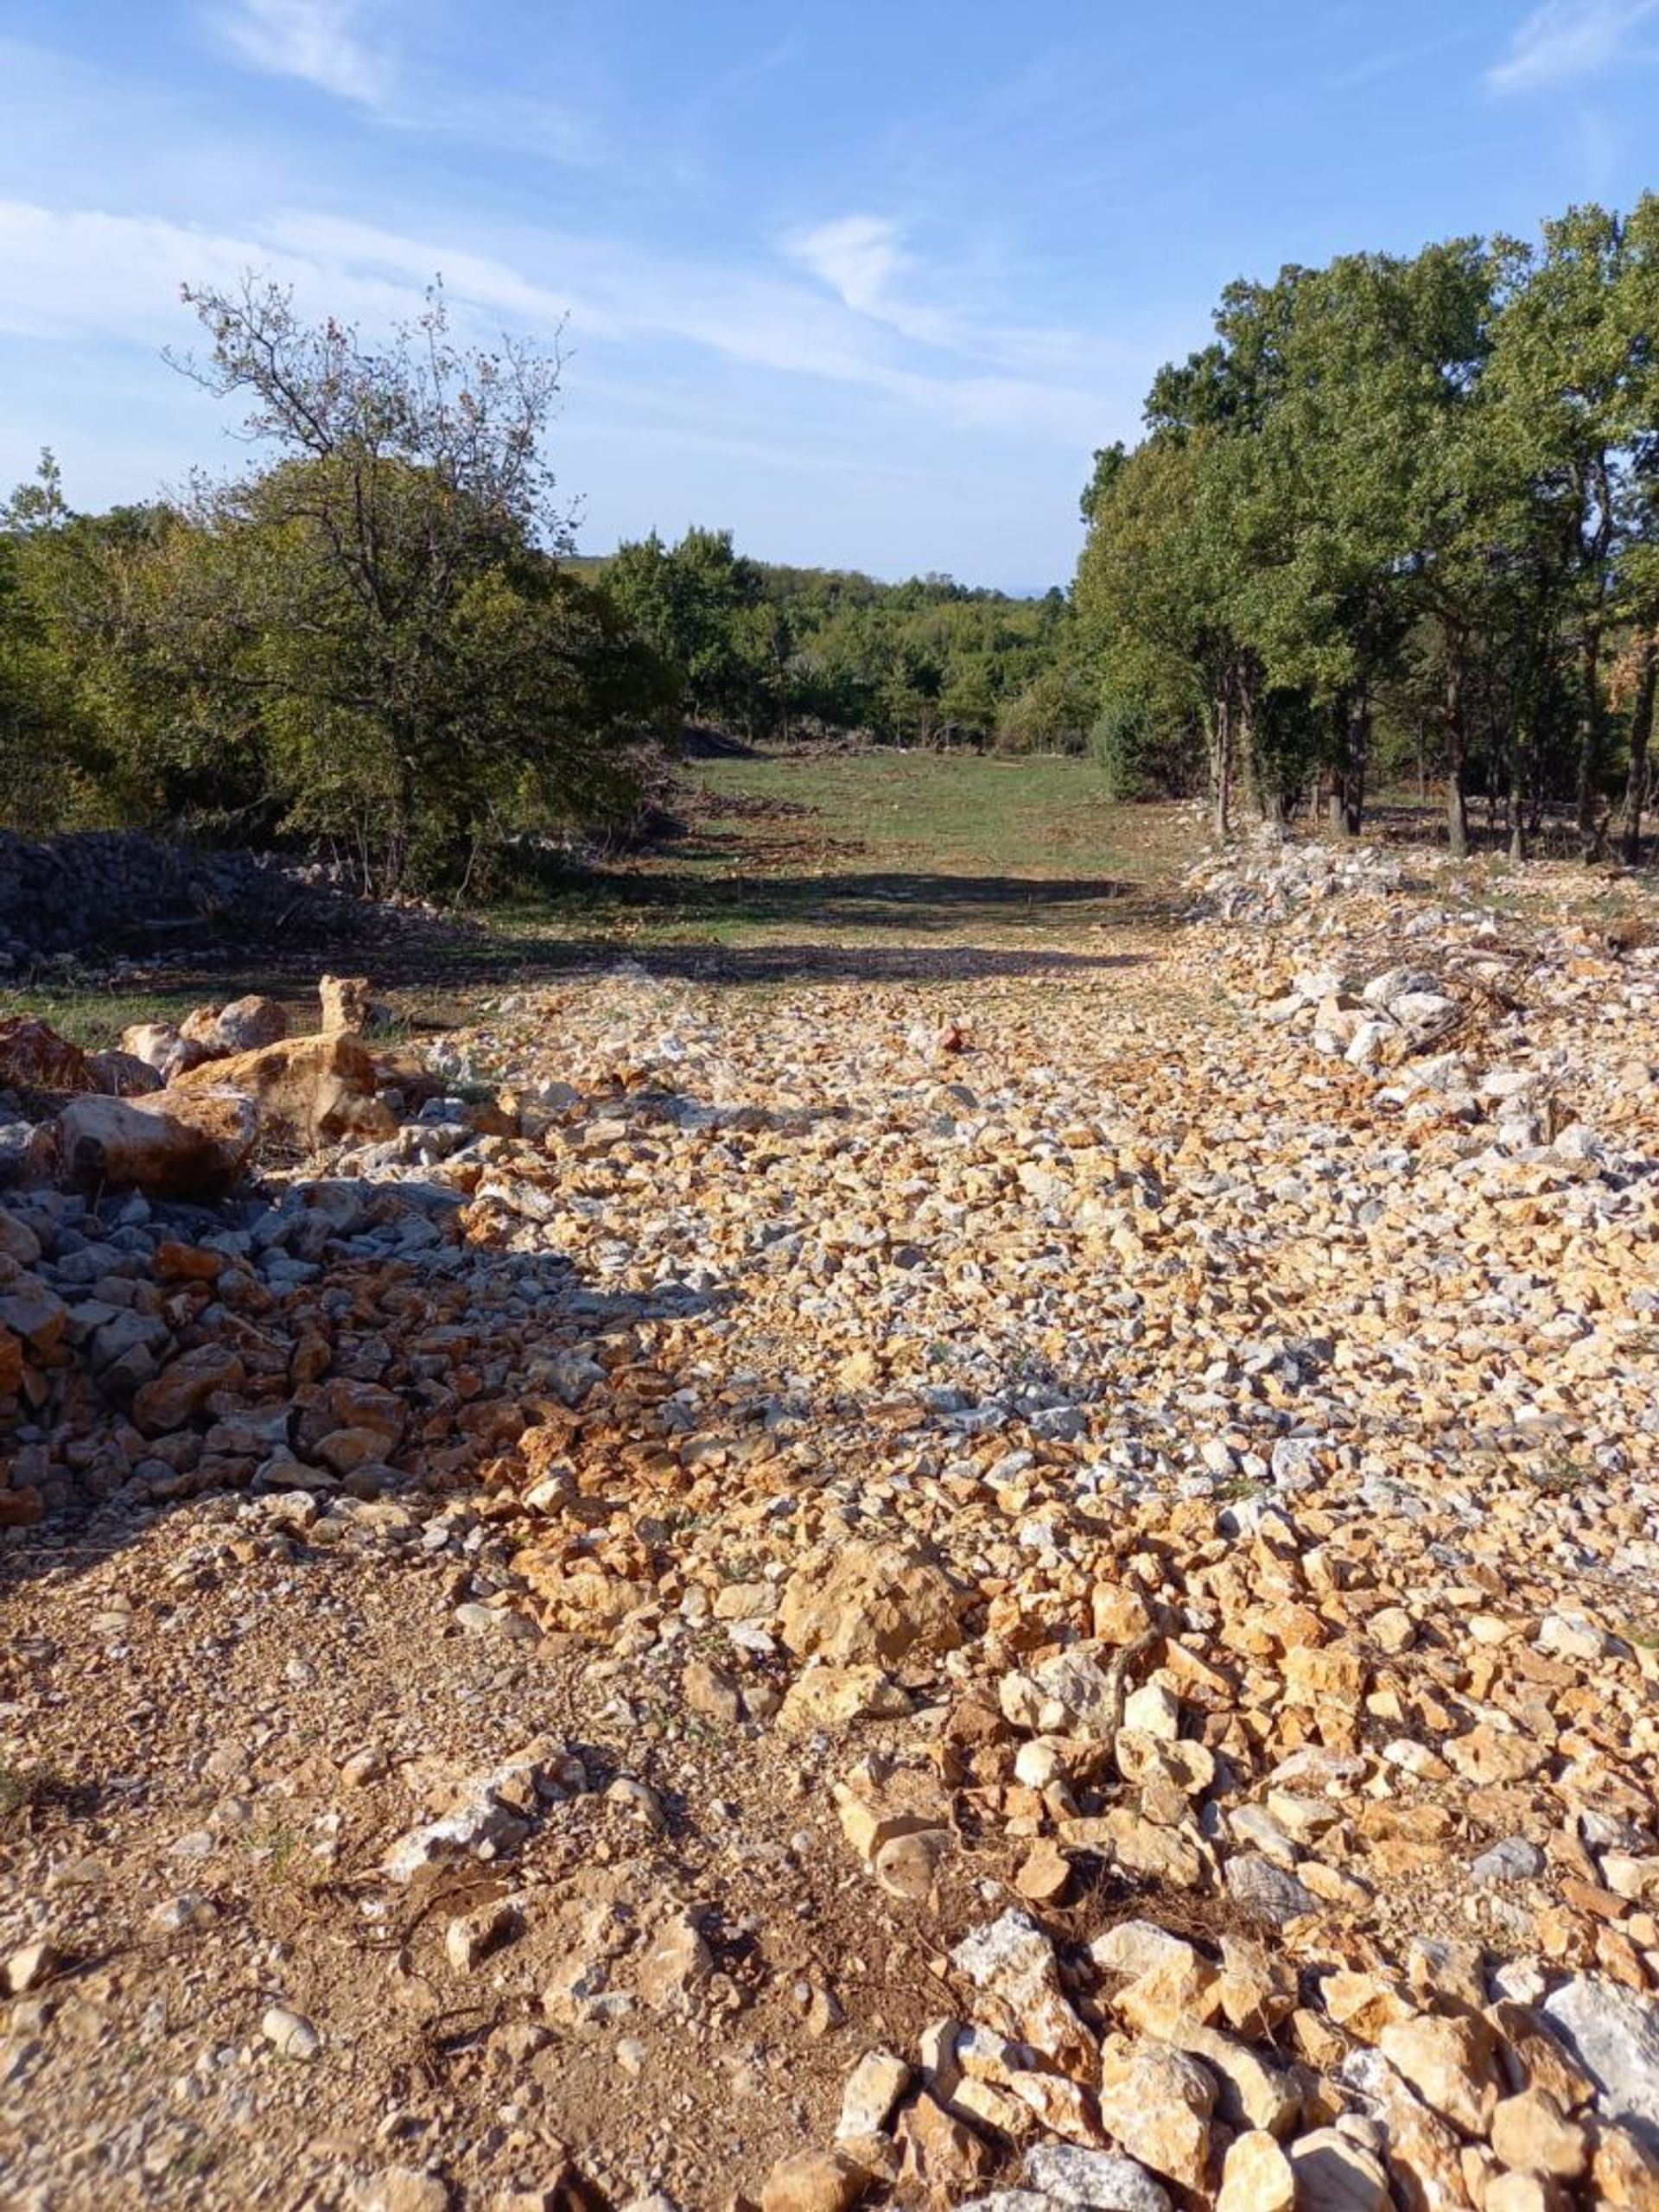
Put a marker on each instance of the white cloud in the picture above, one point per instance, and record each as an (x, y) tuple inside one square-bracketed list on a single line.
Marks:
[(1564, 40), (862, 259), (318, 41), (858, 257), (90, 298), (90, 275), (100, 278)]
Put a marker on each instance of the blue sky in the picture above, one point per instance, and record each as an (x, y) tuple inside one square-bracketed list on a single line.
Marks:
[(865, 284)]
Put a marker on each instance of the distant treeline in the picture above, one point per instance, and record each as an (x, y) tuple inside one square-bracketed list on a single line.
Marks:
[(1402, 514), (772, 651)]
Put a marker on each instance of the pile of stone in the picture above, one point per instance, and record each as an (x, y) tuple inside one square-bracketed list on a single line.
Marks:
[(1269, 878), (87, 892), (137, 1261)]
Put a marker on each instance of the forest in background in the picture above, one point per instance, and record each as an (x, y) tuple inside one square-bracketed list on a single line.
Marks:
[(1401, 515)]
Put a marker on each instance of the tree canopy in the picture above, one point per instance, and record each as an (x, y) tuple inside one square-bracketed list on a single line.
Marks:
[(1406, 497)]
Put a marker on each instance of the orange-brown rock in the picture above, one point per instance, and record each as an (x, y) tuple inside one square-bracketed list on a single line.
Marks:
[(309, 1091), (33, 1057)]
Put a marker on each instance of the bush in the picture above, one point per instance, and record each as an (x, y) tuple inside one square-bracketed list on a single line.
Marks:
[(1145, 753)]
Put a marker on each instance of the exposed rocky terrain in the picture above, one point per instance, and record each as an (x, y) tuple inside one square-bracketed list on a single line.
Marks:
[(1037, 1593)]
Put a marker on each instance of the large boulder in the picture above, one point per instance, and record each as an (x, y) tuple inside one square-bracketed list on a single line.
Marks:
[(309, 1091), (870, 1604), (33, 1057), (169, 1145)]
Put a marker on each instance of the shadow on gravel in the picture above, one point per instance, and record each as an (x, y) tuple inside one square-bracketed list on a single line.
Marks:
[(399, 1317), (713, 963), (605, 916)]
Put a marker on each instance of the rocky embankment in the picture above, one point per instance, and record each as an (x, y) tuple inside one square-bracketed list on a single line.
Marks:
[(90, 894), (1040, 1600)]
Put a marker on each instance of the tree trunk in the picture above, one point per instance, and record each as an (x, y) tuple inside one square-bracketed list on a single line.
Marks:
[(1457, 745), (1520, 753), (1221, 764), (1358, 764), (1345, 790), (1590, 830), (1636, 784)]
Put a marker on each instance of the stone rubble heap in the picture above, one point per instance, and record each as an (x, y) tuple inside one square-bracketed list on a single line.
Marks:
[(82, 893), (1103, 1550)]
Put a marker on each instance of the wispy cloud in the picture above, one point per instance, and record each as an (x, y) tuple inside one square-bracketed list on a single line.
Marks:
[(96, 275), (865, 262), (321, 41), (327, 44), (860, 258), (1563, 41)]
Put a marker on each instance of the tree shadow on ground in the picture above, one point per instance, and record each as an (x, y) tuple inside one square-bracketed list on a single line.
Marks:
[(908, 900), (601, 916), (561, 1307), (1422, 823)]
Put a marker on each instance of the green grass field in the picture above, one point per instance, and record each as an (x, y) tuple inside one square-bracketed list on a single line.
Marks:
[(850, 848), (958, 814), (843, 865)]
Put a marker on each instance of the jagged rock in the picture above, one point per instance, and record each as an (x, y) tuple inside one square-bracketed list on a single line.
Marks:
[(491, 1812), (1333, 2174), (1156, 2103), (1253, 2092), (245, 1025), (159, 1045), (33, 1057), (1531, 2133), (675, 1964), (1016, 1977), (832, 1697), (813, 2180), (27, 1969), (1451, 2064), (1093, 2181), (1615, 2035), (1257, 2177), (874, 2087), (941, 2155), (1625, 2170), (308, 1090), (346, 1002), (870, 1604), (1424, 2153), (175, 1396), (1266, 1892)]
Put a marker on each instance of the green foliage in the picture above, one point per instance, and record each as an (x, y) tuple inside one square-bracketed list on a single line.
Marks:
[(764, 650), (1395, 504), (702, 607), (1140, 749), (365, 645)]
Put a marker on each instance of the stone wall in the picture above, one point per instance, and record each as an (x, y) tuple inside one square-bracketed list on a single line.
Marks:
[(103, 891)]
